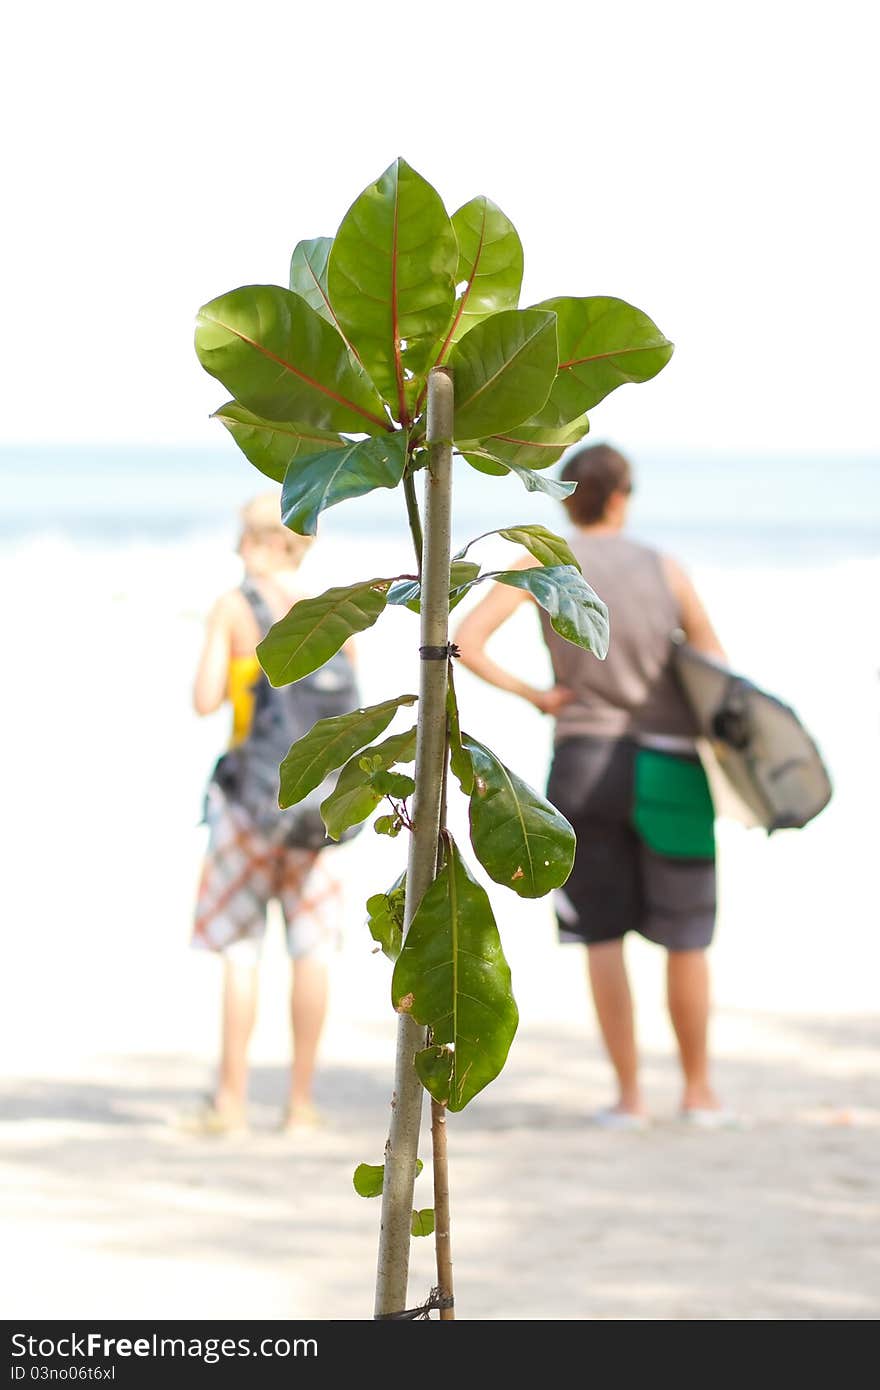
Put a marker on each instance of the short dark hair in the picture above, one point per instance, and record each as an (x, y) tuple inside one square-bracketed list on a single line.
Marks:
[(599, 471)]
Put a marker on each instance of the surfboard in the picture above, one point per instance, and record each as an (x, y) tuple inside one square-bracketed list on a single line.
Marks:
[(761, 749)]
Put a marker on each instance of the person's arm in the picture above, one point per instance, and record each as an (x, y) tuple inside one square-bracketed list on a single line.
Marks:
[(474, 632), (694, 619), (212, 673)]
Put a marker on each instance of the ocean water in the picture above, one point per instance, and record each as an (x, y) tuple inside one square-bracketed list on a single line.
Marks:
[(109, 560), (730, 510)]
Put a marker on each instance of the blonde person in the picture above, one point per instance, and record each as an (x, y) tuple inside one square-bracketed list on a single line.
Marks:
[(626, 774), (257, 853)]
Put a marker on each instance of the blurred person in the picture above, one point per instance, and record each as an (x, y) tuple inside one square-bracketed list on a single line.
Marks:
[(627, 775), (257, 853)]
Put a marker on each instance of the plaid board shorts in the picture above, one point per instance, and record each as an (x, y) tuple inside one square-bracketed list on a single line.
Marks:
[(243, 872)]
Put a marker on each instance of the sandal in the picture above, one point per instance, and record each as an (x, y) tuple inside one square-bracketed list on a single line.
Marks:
[(710, 1119), (300, 1117), (209, 1120), (620, 1120)]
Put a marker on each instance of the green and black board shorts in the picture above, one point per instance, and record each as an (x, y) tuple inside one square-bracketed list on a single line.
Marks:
[(645, 858)]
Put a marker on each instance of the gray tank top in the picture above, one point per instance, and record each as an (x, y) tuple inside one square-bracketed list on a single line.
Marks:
[(635, 691)]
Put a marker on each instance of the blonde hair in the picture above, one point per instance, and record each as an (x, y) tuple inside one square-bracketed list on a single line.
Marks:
[(261, 520)]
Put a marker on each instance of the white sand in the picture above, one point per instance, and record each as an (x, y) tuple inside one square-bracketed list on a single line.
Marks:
[(110, 1022)]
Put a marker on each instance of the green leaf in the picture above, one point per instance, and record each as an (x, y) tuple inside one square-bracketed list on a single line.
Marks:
[(315, 628), (490, 264), (408, 592), (312, 484), (308, 278), (423, 1222), (576, 611), (504, 369), (395, 784), (271, 445), (353, 798), (458, 758), (308, 275), (546, 546), (369, 1178), (539, 482), (387, 825), (603, 343), (521, 840), (385, 917), (532, 446), (531, 481), (331, 742), (284, 362), (451, 975), (391, 278)]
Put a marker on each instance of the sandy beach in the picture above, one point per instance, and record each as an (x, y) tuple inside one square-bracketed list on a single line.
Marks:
[(659, 235), (110, 1021)]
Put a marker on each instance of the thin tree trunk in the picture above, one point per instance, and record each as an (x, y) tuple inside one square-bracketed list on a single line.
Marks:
[(442, 1232), (401, 1150)]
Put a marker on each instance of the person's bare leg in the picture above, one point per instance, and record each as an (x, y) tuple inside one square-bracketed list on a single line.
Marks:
[(688, 994), (308, 1010), (239, 1014), (614, 1010)]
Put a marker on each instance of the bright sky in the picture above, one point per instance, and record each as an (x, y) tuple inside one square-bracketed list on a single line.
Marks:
[(715, 165)]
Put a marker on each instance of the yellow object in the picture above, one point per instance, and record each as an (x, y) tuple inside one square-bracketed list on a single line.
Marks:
[(244, 674)]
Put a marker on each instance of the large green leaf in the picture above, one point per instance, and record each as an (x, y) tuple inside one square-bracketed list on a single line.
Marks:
[(308, 278), (531, 481), (281, 360), (271, 445), (308, 275), (312, 484), (353, 799), (521, 840), (490, 264), (546, 546), (407, 593), (330, 743), (576, 611), (603, 343), (451, 975), (391, 280), (504, 369), (532, 446), (315, 628)]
